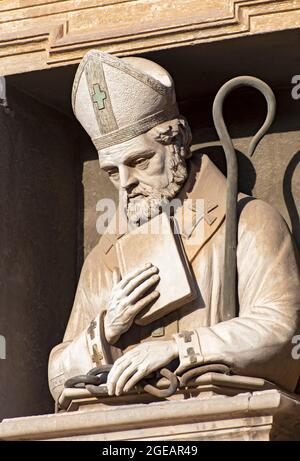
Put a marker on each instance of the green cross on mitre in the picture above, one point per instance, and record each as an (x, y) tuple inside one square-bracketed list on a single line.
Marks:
[(98, 96)]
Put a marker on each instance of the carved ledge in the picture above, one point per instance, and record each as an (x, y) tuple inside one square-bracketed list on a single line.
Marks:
[(43, 34), (262, 415)]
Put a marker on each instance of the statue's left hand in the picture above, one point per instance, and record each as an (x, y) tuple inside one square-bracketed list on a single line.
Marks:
[(139, 362)]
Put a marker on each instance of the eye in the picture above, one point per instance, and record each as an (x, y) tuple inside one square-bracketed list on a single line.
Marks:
[(141, 162), (113, 173)]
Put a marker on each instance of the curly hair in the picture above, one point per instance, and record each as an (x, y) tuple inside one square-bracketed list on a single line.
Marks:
[(176, 132)]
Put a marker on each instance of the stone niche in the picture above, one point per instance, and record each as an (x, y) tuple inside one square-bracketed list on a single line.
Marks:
[(50, 183)]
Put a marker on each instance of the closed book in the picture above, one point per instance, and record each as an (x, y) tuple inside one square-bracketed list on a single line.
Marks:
[(159, 243)]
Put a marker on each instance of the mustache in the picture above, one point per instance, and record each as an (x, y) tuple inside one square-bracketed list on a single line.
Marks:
[(139, 190)]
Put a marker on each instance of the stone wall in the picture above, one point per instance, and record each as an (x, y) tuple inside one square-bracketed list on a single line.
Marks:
[(273, 172), (93, 187), (38, 235)]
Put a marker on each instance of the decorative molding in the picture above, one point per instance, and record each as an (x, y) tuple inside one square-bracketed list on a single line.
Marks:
[(53, 33), (265, 415)]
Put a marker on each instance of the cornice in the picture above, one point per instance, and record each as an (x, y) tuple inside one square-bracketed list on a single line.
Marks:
[(44, 34)]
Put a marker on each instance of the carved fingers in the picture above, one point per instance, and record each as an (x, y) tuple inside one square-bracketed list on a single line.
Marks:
[(145, 301), (135, 273), (141, 279), (116, 276), (128, 297), (139, 362)]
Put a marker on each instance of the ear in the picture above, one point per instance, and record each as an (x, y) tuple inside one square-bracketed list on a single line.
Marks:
[(185, 134), (166, 134), (174, 131)]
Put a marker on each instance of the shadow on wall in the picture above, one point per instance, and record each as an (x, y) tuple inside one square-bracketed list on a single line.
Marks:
[(94, 185), (38, 221), (247, 180), (273, 172), (247, 173), (289, 198)]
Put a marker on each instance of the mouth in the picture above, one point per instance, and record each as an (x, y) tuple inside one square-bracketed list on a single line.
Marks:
[(135, 196)]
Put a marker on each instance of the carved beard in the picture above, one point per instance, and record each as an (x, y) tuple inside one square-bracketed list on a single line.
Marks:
[(141, 210)]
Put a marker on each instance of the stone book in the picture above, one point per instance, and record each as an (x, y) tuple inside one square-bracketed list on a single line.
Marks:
[(158, 242)]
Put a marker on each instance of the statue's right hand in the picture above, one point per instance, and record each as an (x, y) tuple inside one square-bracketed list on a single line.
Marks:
[(128, 298)]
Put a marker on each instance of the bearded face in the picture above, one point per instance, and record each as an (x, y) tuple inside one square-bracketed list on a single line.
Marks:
[(145, 202), (148, 170)]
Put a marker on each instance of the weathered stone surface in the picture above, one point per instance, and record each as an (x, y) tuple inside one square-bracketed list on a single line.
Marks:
[(266, 415), (42, 34)]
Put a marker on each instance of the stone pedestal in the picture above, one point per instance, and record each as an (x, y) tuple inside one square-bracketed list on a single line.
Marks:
[(257, 415)]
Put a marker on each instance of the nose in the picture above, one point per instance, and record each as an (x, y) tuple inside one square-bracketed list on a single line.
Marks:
[(127, 178)]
